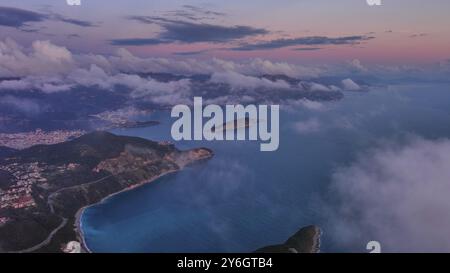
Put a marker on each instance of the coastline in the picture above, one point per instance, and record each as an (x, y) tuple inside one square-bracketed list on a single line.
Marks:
[(78, 216)]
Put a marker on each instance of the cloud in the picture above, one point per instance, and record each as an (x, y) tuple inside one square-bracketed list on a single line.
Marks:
[(307, 48), (20, 18), (50, 68), (356, 66), (195, 13), (240, 81), (319, 87), (309, 126), (72, 21), (418, 35), (311, 41), (295, 105), (138, 42), (163, 93), (33, 83), (192, 32), (14, 85), (188, 32), (190, 53), (24, 105), (260, 66), (396, 194), (47, 51), (123, 60), (73, 35), (166, 93), (350, 85), (204, 11), (14, 17), (42, 58)]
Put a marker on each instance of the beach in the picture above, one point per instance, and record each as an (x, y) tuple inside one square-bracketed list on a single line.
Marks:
[(78, 216)]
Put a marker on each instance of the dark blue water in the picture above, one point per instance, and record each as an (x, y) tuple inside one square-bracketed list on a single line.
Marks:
[(243, 199)]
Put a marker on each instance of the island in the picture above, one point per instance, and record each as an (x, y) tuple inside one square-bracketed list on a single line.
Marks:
[(45, 187), (306, 240), (235, 125)]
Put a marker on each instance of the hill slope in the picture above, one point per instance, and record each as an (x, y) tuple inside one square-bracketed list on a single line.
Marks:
[(49, 184)]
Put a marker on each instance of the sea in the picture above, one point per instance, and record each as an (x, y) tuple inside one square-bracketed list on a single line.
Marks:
[(243, 199)]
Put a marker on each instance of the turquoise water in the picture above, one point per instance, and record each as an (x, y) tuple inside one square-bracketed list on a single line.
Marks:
[(243, 199)]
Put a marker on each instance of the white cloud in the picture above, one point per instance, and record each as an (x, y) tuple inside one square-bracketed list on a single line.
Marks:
[(350, 85), (294, 105), (161, 92), (45, 58), (239, 81), (45, 50), (334, 88), (43, 83), (319, 87), (14, 85), (51, 68), (124, 60), (42, 58), (94, 76), (397, 195), (312, 105), (143, 88), (309, 126), (356, 65), (260, 66)]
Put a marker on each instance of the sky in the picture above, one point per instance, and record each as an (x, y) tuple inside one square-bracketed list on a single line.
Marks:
[(329, 45), (298, 31)]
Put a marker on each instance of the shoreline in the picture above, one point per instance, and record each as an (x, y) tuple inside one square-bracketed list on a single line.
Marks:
[(78, 216)]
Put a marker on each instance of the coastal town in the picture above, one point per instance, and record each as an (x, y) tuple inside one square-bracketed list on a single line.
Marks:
[(24, 140), (18, 179), (18, 193), (56, 181)]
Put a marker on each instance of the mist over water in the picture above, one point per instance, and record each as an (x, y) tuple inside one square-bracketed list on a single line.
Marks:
[(243, 199)]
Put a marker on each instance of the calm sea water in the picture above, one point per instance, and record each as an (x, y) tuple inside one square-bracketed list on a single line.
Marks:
[(243, 199)]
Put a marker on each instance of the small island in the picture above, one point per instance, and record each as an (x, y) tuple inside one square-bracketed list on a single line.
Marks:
[(234, 125)]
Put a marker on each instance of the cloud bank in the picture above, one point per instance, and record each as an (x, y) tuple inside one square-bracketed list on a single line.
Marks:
[(42, 58), (44, 66), (397, 195), (49, 68)]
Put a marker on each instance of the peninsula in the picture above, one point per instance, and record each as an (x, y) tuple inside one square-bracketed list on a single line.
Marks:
[(48, 185), (305, 240)]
